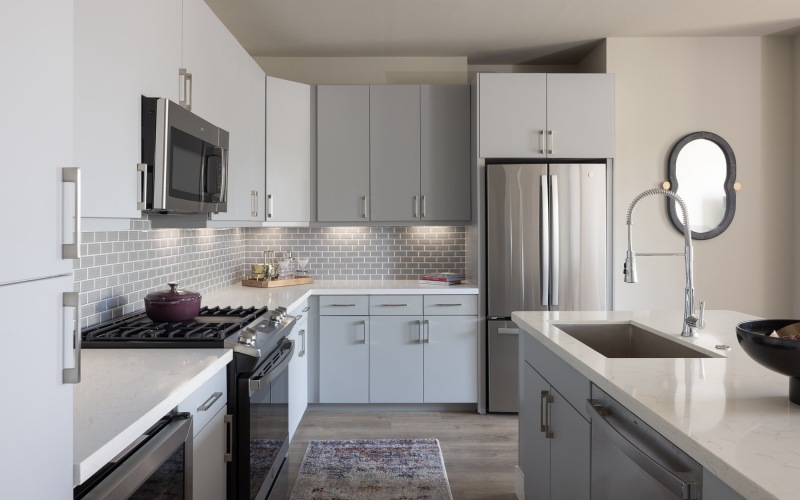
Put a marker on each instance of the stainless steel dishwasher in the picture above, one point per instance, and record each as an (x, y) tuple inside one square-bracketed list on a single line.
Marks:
[(631, 460)]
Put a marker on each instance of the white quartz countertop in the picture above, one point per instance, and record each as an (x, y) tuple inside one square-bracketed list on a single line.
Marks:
[(292, 296), (729, 413), (123, 392)]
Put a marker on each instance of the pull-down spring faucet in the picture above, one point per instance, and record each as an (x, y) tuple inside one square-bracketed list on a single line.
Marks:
[(690, 322)]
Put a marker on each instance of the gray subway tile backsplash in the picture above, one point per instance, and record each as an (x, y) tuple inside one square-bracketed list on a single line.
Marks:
[(120, 267)]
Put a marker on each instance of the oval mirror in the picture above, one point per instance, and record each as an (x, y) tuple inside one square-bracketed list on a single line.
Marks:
[(702, 170)]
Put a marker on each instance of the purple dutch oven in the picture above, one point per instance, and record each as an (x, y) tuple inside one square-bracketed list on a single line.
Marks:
[(172, 305)]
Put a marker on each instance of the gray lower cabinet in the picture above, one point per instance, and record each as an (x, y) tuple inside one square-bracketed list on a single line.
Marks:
[(451, 359), (395, 359), (554, 437), (344, 359), (394, 145), (343, 153), (715, 489)]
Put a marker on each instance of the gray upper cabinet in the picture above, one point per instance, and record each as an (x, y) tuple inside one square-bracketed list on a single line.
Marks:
[(394, 140), (343, 153), (445, 158), (546, 115)]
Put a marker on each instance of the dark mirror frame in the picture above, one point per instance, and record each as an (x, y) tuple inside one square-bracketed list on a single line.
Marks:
[(730, 193)]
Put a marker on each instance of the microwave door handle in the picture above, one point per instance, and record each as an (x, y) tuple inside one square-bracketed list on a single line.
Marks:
[(223, 171)]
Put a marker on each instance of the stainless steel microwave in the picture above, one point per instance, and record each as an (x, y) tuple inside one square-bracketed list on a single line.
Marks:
[(184, 166)]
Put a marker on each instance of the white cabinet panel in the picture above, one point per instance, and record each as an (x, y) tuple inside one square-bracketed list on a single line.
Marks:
[(259, 137), (36, 424), (344, 359), (580, 115), (298, 372), (36, 126), (288, 151), (451, 359), (395, 359), (158, 35), (512, 115), (209, 473)]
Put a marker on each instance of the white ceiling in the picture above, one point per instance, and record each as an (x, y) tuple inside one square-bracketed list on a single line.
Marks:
[(486, 31)]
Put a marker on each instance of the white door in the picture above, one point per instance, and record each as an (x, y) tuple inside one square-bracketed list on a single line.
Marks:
[(259, 137), (298, 376), (159, 36), (451, 359), (344, 359), (210, 468), (580, 115), (36, 126), (395, 359)]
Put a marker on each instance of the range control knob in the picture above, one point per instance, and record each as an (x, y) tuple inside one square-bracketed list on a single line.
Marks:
[(248, 336)]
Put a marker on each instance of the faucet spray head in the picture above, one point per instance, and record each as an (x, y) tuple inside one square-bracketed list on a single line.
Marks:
[(629, 268)]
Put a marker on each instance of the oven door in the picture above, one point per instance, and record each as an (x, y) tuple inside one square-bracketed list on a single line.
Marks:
[(157, 465), (263, 428)]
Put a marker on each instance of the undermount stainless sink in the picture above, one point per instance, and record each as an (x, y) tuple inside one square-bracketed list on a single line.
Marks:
[(624, 340)]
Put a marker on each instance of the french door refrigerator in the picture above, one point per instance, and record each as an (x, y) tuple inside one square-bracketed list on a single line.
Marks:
[(547, 239)]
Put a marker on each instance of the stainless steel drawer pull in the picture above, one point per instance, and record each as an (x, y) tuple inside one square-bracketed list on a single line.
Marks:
[(364, 324), (306, 308), (448, 305), (342, 305), (73, 375), (394, 305), (209, 402), (73, 250), (302, 335), (508, 331)]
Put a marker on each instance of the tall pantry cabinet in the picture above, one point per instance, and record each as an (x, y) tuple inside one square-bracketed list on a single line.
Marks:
[(36, 54)]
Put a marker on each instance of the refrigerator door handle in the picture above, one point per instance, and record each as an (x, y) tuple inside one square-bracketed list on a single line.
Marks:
[(544, 239), (554, 238)]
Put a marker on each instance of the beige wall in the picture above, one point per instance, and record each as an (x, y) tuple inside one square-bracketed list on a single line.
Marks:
[(796, 180), (367, 70), (737, 87)]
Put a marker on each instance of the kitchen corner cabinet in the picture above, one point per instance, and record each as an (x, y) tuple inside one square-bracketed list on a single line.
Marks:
[(208, 406), (536, 115), (554, 437), (393, 153), (342, 153), (288, 157), (298, 368)]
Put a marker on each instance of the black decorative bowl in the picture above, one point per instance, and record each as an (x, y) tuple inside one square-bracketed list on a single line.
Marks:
[(777, 354)]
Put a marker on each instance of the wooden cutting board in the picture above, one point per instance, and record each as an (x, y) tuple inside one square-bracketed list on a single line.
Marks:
[(305, 280)]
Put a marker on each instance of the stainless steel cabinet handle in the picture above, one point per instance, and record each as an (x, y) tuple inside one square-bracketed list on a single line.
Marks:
[(544, 241), (363, 324), (415, 206), (306, 308), (427, 324), (554, 275), (342, 305), (302, 335), (423, 206), (541, 142), (186, 102), (448, 305), (419, 325), (394, 305), (364, 213), (551, 140), (73, 375), (269, 205), (657, 471), (229, 427), (544, 414), (73, 250), (508, 331), (142, 188), (209, 402)]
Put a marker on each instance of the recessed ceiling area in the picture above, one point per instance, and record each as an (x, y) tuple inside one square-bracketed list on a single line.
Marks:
[(486, 31)]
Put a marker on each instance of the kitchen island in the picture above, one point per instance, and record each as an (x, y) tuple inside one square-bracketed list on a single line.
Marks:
[(727, 412)]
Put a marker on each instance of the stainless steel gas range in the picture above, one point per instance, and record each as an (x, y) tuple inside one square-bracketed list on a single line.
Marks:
[(257, 382)]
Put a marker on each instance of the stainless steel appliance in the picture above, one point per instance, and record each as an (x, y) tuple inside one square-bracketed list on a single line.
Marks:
[(258, 390), (157, 465), (547, 240), (628, 456), (184, 160)]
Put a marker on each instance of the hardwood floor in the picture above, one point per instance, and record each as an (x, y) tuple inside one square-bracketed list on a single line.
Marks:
[(480, 451)]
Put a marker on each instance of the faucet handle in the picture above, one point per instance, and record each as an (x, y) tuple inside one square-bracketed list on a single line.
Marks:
[(701, 321)]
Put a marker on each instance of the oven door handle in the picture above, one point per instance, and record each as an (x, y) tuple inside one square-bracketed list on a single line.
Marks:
[(265, 377), (123, 481)]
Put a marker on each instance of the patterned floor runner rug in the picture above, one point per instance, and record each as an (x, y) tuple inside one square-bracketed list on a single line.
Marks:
[(375, 469)]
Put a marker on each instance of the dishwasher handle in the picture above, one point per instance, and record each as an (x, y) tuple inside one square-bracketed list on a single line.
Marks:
[(656, 470)]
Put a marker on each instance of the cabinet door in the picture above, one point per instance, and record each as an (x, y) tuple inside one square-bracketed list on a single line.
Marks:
[(342, 153), (36, 424), (206, 52), (394, 152), (108, 106), (451, 359), (209, 472), (395, 359), (445, 158), (158, 35), (534, 446), (298, 377), (344, 359), (36, 126), (259, 142), (580, 115), (288, 151), (570, 451), (512, 115)]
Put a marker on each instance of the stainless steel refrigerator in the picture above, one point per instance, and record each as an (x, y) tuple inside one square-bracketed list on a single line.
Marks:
[(547, 240)]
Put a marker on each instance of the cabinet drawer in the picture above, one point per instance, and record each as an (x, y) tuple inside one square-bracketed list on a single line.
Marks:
[(206, 401), (344, 305), (395, 305), (451, 305)]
